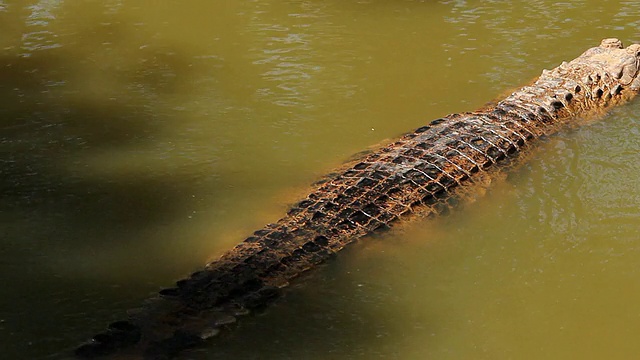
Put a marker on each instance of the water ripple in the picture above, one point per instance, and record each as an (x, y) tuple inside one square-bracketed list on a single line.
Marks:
[(41, 15)]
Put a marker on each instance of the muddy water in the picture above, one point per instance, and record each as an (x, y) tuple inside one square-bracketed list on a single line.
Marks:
[(140, 139)]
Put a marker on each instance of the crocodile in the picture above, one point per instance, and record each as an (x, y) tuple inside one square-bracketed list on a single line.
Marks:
[(424, 173)]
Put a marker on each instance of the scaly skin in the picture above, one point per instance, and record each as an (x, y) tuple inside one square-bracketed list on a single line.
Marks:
[(424, 173)]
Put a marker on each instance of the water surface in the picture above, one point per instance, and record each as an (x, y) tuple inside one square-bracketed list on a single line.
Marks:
[(141, 139)]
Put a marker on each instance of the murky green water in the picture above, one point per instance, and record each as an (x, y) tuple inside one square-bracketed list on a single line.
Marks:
[(140, 139)]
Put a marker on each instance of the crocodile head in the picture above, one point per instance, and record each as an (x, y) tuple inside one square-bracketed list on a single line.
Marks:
[(609, 74), (601, 77), (618, 66)]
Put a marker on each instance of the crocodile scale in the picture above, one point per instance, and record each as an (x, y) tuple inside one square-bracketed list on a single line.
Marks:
[(423, 173)]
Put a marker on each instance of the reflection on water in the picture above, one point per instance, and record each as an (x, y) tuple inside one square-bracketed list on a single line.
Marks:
[(41, 14), (140, 141), (287, 55)]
